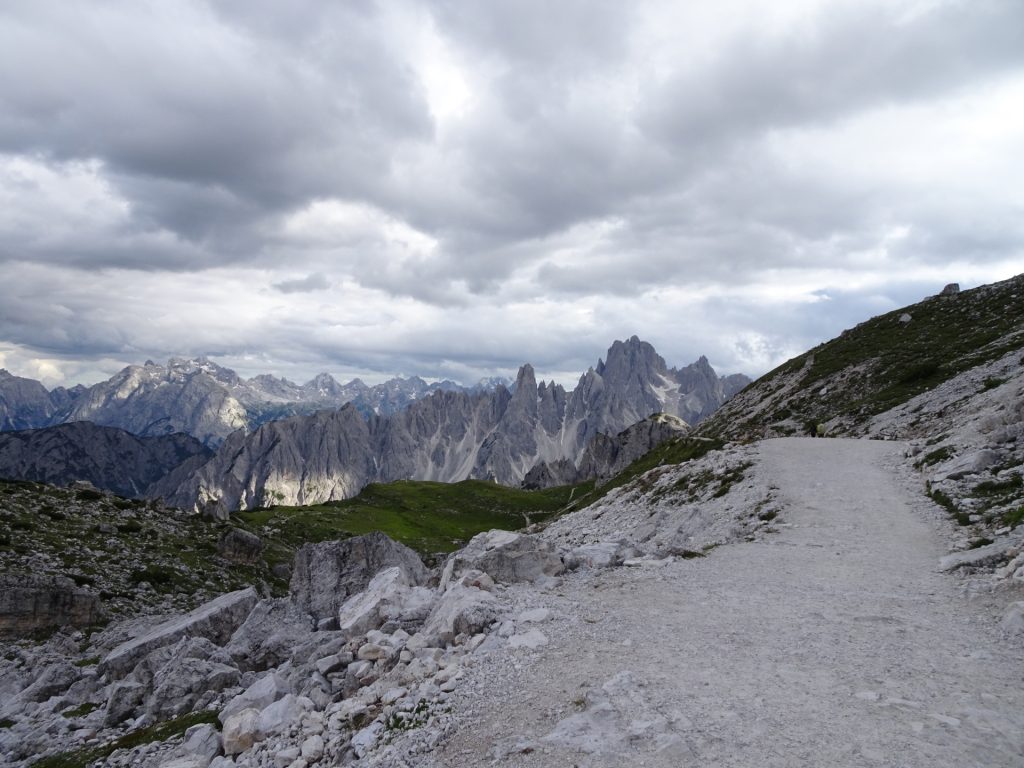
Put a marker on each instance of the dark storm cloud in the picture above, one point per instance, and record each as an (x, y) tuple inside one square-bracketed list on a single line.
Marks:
[(299, 180), (850, 59)]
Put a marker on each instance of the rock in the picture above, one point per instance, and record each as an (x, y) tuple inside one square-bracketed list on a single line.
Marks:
[(270, 633), (987, 555), (313, 749), (327, 573), (365, 740), (462, 610), (534, 616), (284, 712), (32, 603), (1013, 619), (124, 698), (506, 557), (216, 620), (905, 318), (259, 695), (202, 741), (967, 464), (54, 679), (373, 652), (952, 289), (389, 596), (241, 731), (179, 676), (240, 546), (533, 639), (604, 554), (333, 663)]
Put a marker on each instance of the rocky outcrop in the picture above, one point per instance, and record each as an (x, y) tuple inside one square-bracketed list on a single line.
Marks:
[(452, 435), (240, 546), (108, 458), (606, 456), (31, 603), (327, 573), (216, 620), (26, 404), (505, 556)]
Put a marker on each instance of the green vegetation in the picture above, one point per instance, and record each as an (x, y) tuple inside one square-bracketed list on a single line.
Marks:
[(883, 362), (82, 710), (1014, 517), (81, 758), (430, 517), (937, 456), (6, 723), (671, 452)]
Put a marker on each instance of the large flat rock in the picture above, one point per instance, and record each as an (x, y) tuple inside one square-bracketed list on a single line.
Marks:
[(216, 620)]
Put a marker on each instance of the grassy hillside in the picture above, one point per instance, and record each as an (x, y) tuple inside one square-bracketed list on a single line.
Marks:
[(140, 555), (432, 518), (879, 364)]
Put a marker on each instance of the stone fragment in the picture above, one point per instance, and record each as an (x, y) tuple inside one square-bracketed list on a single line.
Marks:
[(312, 749), (534, 616), (990, 553), (33, 602), (240, 546), (1013, 619), (273, 629), (603, 554), (390, 596), (202, 741), (283, 713), (533, 639), (260, 694), (505, 556), (241, 730), (216, 620), (327, 573), (461, 611)]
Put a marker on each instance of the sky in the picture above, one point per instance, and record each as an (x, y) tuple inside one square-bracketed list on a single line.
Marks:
[(450, 189)]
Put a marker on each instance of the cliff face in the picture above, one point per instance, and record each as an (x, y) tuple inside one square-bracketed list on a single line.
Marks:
[(111, 459), (452, 435)]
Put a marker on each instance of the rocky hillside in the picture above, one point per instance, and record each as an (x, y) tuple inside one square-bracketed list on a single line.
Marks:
[(879, 365), (27, 404), (108, 458), (946, 374), (449, 436)]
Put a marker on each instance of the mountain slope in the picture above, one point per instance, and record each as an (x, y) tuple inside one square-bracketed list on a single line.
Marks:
[(879, 365), (448, 436), (111, 459)]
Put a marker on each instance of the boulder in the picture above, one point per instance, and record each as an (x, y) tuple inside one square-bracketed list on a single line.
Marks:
[(968, 464), (461, 611), (240, 546), (390, 596), (202, 743), (30, 603), (1013, 619), (179, 676), (604, 554), (216, 620), (241, 731), (987, 555), (277, 717), (124, 699), (267, 637), (506, 557), (55, 679), (327, 573), (259, 695)]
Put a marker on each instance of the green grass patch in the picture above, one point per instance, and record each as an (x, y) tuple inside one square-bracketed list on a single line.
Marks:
[(991, 383), (81, 758), (430, 517), (6, 723), (937, 456), (999, 487), (1014, 517), (81, 710)]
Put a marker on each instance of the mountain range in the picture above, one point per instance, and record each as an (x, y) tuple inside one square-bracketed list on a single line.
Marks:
[(404, 429), (200, 398)]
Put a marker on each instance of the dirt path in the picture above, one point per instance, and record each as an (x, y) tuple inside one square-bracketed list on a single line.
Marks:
[(832, 643)]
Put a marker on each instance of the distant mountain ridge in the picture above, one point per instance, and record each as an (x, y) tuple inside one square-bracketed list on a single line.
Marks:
[(109, 458), (197, 397), (451, 435)]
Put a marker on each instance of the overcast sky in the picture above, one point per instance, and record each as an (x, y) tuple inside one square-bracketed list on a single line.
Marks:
[(450, 189)]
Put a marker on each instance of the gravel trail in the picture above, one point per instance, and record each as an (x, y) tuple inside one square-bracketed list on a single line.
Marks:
[(835, 642)]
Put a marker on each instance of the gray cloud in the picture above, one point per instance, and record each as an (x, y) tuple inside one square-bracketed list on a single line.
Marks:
[(314, 282), (192, 177)]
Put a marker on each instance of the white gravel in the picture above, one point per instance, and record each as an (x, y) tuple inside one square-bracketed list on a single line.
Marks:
[(835, 642)]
